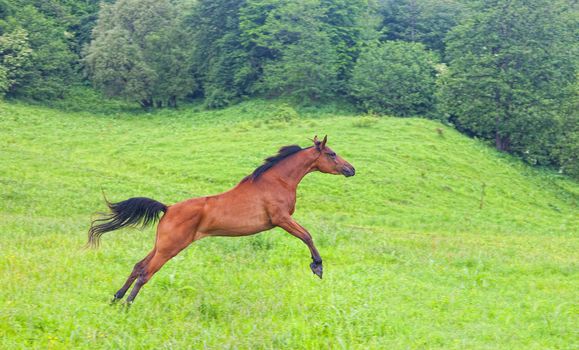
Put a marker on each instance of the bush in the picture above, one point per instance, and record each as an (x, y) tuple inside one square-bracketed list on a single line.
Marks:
[(284, 113), (365, 122), (395, 78)]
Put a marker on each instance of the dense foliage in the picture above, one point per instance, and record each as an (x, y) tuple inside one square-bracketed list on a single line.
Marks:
[(424, 21), (221, 63), (36, 53), (396, 78), (138, 52), (511, 72), (502, 70)]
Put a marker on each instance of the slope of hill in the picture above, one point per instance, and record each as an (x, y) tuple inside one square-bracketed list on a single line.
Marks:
[(438, 241)]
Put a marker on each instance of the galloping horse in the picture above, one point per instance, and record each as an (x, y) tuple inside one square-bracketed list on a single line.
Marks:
[(261, 201)]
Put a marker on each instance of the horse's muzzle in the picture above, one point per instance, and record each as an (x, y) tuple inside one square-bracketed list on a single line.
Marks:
[(349, 171)]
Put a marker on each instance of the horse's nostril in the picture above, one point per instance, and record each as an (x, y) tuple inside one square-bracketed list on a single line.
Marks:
[(349, 171)]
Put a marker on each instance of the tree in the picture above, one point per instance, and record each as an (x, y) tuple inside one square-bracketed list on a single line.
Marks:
[(141, 52), (565, 151), (345, 22), (221, 62), (425, 21), (45, 66), (511, 66), (395, 77), (307, 70), (15, 54), (6, 11), (291, 48)]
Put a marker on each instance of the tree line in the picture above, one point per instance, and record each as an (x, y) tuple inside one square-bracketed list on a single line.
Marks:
[(500, 70)]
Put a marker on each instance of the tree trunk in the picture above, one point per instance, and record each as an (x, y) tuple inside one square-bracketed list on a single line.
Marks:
[(146, 103), (172, 102), (502, 142), (498, 141)]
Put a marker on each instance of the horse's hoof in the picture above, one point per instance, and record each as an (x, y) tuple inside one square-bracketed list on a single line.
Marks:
[(317, 269), (114, 301)]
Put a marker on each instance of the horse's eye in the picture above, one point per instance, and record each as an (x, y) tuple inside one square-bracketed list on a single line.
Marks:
[(332, 155)]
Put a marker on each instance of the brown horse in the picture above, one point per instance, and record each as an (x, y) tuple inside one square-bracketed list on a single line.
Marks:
[(261, 201)]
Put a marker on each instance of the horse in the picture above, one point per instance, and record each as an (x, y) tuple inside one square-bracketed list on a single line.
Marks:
[(261, 201)]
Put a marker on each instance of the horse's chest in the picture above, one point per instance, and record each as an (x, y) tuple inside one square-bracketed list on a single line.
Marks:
[(282, 203), (291, 205)]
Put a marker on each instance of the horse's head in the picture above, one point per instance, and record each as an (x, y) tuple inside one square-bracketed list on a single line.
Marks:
[(329, 162)]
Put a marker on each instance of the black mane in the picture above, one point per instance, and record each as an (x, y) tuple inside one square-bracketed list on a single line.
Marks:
[(282, 154)]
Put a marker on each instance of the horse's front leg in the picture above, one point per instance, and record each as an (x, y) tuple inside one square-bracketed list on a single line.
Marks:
[(291, 226)]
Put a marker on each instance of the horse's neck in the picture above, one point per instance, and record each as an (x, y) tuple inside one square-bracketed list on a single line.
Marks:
[(292, 170)]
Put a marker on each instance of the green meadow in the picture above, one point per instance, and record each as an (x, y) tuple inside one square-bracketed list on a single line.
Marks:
[(438, 242)]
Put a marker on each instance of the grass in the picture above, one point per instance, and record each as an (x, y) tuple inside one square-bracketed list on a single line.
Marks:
[(411, 259)]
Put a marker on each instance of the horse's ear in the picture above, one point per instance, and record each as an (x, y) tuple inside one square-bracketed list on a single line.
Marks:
[(323, 145), (317, 142)]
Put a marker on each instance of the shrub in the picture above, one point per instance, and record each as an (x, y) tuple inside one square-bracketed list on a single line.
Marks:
[(284, 113), (395, 78)]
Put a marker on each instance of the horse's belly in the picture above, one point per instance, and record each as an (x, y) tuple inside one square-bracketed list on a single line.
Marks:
[(238, 231), (236, 225)]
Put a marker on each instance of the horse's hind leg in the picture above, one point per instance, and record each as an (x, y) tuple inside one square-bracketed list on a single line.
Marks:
[(166, 248), (150, 269), (159, 259), (132, 277)]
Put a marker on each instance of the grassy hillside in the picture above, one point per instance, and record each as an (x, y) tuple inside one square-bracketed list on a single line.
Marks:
[(411, 259)]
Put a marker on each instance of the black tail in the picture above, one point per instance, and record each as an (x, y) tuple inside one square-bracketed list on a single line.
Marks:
[(132, 212)]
